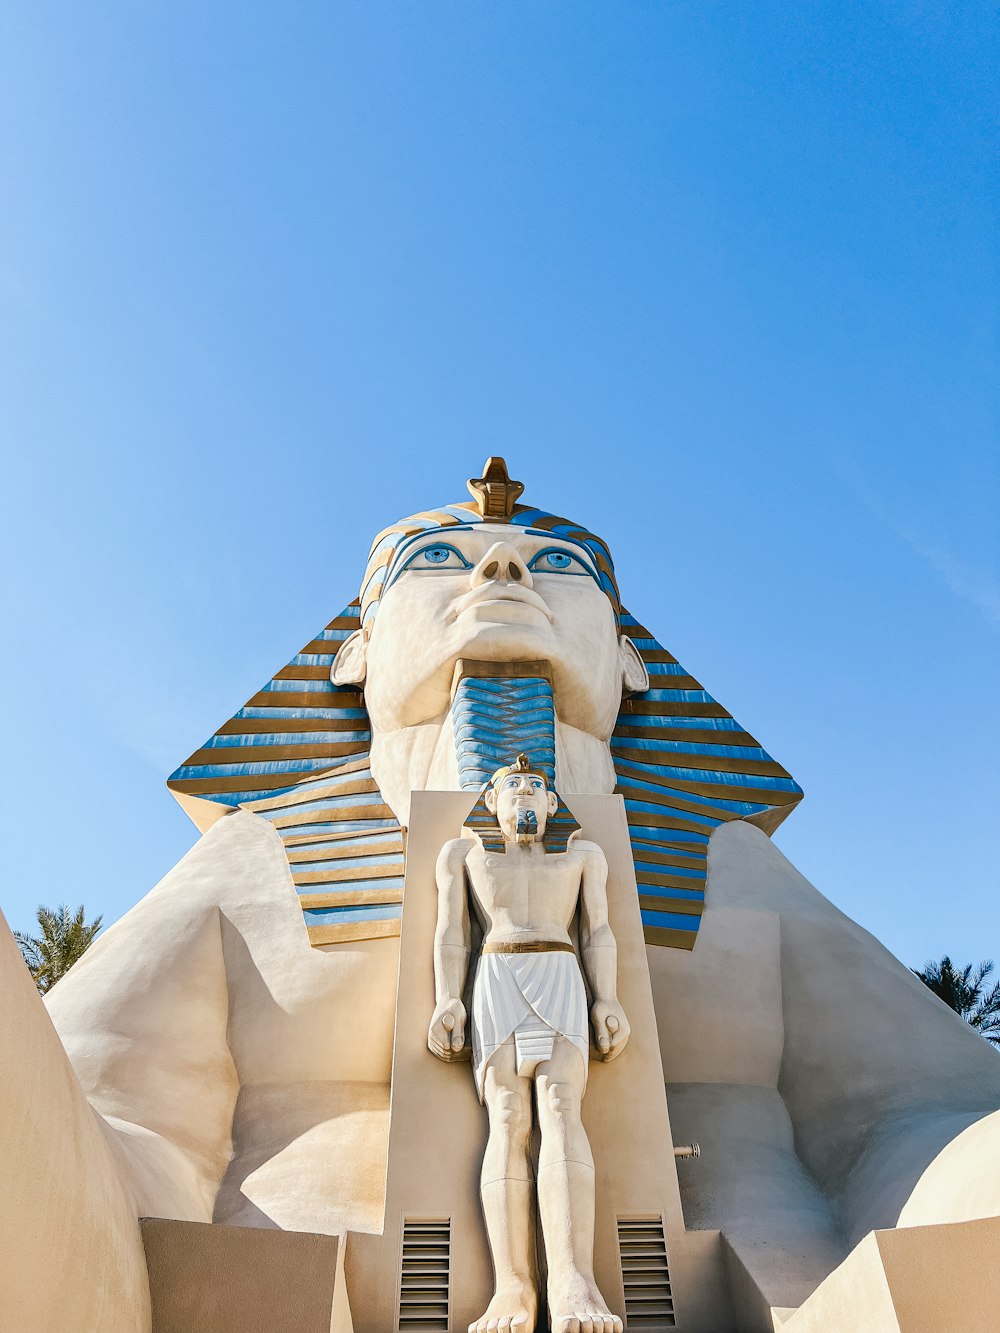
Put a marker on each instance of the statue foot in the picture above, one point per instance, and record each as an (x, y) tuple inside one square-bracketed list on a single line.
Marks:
[(512, 1307), (576, 1306)]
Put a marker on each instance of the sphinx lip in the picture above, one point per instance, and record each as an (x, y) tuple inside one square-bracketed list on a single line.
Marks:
[(510, 595)]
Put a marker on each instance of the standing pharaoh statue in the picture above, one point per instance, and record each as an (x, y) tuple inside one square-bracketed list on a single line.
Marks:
[(530, 1034)]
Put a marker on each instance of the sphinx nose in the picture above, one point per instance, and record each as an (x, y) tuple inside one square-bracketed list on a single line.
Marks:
[(501, 563)]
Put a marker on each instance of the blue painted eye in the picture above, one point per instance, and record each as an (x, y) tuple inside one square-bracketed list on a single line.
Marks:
[(555, 561), (437, 556)]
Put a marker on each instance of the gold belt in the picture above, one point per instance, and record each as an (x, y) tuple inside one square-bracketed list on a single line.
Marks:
[(527, 946)]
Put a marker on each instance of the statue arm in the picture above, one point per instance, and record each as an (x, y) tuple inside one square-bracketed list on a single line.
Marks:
[(452, 946), (600, 954)]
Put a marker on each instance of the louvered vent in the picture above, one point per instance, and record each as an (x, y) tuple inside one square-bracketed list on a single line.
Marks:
[(423, 1279), (645, 1275)]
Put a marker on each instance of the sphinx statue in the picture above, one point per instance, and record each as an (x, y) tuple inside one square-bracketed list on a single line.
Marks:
[(227, 1045)]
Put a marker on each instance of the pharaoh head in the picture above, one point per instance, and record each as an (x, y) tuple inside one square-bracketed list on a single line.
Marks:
[(496, 582), (519, 804), (521, 801)]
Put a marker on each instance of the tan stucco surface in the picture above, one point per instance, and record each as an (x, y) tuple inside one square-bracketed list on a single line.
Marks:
[(71, 1257), (912, 1280), (821, 1078), (219, 1043), (963, 1180), (221, 1279)]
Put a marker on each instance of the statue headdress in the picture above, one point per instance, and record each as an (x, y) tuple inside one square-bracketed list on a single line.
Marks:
[(297, 754), (559, 827)]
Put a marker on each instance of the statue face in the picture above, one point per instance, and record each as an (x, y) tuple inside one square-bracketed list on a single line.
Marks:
[(494, 593), (517, 795)]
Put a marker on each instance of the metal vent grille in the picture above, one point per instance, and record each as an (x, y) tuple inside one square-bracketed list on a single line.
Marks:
[(424, 1274), (645, 1275)]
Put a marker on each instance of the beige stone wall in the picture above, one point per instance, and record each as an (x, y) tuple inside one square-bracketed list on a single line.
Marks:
[(244, 1074), (912, 1280), (71, 1258), (830, 1090), (221, 1279)]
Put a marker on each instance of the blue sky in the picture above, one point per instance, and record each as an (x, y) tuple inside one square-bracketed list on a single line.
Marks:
[(719, 280)]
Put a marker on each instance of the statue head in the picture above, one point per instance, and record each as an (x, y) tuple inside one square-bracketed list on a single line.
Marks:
[(521, 801), (519, 805), (497, 582)]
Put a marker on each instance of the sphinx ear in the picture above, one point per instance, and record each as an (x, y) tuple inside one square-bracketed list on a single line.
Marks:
[(635, 677), (553, 802), (350, 664), (491, 800)]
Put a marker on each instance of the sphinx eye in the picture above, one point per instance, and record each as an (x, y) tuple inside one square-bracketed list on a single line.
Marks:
[(556, 561), (438, 556)]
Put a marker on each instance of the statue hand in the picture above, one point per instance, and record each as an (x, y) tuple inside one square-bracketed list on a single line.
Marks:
[(611, 1029), (446, 1036)]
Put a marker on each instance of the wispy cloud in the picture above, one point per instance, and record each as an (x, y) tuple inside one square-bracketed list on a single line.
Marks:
[(973, 584), (978, 587)]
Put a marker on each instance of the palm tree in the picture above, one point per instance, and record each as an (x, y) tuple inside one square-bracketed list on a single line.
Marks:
[(964, 990), (64, 938)]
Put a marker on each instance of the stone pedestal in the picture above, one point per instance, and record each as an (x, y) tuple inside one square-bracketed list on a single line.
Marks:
[(209, 1278), (911, 1280)]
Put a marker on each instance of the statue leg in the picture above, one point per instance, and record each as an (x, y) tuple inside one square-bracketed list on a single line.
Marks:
[(566, 1197), (508, 1195)]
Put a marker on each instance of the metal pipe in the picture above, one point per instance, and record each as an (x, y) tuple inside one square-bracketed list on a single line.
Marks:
[(688, 1150)]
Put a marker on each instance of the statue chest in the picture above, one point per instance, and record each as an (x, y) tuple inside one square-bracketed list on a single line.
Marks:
[(502, 884)]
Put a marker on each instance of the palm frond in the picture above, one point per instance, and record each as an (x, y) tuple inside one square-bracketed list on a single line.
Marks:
[(962, 989), (64, 937)]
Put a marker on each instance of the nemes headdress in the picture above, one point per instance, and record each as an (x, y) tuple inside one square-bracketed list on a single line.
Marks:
[(559, 827), (522, 764), (297, 754)]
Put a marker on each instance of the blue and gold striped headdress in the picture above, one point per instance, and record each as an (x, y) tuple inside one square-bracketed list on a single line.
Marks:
[(297, 754), (559, 827)]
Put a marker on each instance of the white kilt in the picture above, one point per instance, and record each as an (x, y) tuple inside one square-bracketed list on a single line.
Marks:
[(528, 999)]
